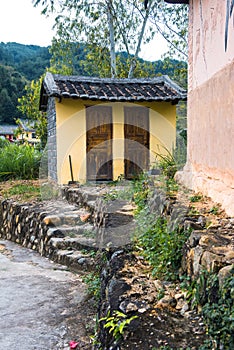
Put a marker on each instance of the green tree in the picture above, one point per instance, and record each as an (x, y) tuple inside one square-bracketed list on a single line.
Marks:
[(111, 26), (29, 106), (11, 87)]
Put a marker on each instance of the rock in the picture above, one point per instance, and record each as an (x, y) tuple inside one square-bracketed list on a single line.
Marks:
[(181, 304), (81, 261), (85, 217), (194, 238), (179, 296), (117, 287), (166, 301), (224, 273), (211, 262), (52, 220), (190, 224)]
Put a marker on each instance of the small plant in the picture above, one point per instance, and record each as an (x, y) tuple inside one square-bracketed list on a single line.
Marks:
[(214, 210), (92, 279), (218, 311), (117, 323), (193, 211), (141, 191), (167, 163), (196, 198)]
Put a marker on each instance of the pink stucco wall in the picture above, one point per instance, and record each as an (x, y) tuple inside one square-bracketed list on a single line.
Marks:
[(210, 165)]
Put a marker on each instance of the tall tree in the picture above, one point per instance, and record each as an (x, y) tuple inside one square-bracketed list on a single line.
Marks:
[(110, 26), (28, 106)]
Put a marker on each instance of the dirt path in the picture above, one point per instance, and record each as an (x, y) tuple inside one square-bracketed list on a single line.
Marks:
[(42, 306)]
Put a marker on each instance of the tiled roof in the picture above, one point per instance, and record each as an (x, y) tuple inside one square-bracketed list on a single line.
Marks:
[(8, 129), (106, 89)]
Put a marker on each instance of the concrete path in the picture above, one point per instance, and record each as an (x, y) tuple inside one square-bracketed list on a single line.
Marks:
[(42, 306)]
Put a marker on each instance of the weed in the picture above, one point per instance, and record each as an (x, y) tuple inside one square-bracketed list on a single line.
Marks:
[(193, 211), (141, 191), (214, 210), (217, 302), (117, 323), (196, 198), (92, 279), (218, 311), (166, 162), (162, 248), (22, 191)]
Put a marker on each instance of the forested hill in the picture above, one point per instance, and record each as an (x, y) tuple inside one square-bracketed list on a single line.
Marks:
[(20, 64)]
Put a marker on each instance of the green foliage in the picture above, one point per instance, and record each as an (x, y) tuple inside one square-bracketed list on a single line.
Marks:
[(217, 302), (30, 60), (166, 162), (93, 281), (218, 311), (11, 87), (29, 107), (23, 191), (141, 191), (112, 26), (214, 210), (3, 142), (117, 323), (19, 162), (196, 198), (161, 246)]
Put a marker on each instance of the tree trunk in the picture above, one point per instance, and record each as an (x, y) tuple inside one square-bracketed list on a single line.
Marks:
[(133, 62), (112, 39)]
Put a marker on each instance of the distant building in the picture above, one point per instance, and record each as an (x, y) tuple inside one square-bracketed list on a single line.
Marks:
[(23, 132)]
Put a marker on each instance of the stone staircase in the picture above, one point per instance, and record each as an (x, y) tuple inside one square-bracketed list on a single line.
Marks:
[(71, 229)]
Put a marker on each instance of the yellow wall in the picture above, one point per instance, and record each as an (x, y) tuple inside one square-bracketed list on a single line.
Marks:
[(71, 135)]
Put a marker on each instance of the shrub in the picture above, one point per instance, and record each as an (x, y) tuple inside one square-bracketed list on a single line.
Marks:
[(19, 162)]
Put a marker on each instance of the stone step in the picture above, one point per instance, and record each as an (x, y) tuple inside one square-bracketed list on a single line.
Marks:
[(75, 260), (79, 242), (72, 218), (86, 230)]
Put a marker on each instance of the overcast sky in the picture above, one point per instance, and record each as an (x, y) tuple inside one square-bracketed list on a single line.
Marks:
[(20, 22)]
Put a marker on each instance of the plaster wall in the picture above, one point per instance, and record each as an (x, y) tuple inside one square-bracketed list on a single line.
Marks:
[(210, 159), (207, 30), (71, 135)]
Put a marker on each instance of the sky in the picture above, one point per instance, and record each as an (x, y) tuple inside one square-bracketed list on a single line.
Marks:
[(20, 22)]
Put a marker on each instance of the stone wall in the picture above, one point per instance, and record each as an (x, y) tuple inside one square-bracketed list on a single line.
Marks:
[(52, 140)]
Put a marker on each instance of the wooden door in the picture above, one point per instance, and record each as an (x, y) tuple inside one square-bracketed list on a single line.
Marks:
[(136, 134), (99, 143)]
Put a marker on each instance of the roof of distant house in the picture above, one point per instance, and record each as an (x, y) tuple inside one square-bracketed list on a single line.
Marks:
[(106, 89), (8, 129)]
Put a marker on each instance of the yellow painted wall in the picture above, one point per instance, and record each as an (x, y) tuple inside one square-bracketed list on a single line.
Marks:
[(71, 135)]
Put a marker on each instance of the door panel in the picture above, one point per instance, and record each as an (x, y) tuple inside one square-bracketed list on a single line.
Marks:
[(136, 134), (99, 143)]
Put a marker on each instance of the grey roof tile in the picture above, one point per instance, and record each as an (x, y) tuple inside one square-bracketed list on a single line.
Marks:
[(107, 89)]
